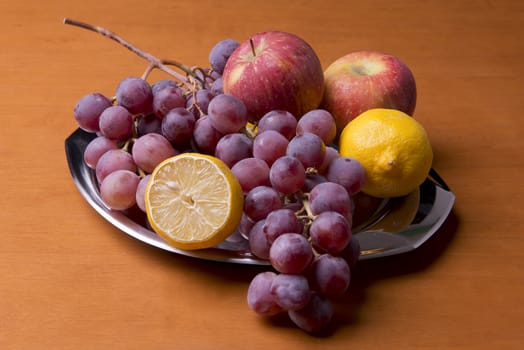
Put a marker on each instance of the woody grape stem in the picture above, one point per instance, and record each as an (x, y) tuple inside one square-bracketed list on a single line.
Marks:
[(154, 62)]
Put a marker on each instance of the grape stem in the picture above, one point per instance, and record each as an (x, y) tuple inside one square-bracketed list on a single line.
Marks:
[(154, 62), (305, 203), (304, 214), (250, 130)]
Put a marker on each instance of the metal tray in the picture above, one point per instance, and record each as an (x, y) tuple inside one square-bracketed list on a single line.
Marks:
[(396, 225)]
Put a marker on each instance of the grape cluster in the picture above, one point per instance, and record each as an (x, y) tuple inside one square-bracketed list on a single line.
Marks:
[(298, 190), (298, 215), (144, 124)]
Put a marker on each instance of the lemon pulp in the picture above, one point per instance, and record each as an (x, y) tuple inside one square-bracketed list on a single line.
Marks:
[(193, 201)]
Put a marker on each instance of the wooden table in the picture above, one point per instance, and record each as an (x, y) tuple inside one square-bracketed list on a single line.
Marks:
[(70, 280)]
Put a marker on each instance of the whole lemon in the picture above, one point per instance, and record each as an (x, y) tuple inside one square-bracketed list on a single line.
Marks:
[(393, 148)]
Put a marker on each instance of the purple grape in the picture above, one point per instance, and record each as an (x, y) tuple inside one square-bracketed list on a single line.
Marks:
[(113, 160), (258, 244), (308, 148), (280, 121), (261, 201), (118, 189), (330, 155), (227, 113), (269, 145), (88, 109), (347, 172), (159, 85), (290, 253), (205, 136), (116, 123), (287, 175), (149, 124), (166, 99), (96, 148), (232, 148), (216, 87), (331, 275), (330, 232), (250, 173), (313, 179), (291, 292), (330, 196), (281, 221), (150, 150), (319, 122), (178, 126), (220, 53), (259, 298), (135, 94)]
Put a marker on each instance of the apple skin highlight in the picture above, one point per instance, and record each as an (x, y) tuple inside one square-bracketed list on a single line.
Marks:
[(363, 80)]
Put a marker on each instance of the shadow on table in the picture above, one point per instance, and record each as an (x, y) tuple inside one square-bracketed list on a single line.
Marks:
[(366, 273), (371, 271)]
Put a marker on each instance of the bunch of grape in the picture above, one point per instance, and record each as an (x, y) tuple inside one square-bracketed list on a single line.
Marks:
[(298, 190), (298, 215), (145, 124)]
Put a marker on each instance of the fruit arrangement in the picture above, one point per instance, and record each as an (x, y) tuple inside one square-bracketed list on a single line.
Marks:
[(264, 144)]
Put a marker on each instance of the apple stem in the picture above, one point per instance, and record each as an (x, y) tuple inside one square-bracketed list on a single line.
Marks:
[(154, 62), (252, 44)]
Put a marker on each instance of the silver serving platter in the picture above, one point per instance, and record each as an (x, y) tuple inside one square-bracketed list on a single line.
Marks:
[(396, 226)]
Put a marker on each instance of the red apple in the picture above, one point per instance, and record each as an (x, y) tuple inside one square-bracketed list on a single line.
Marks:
[(274, 71), (366, 79)]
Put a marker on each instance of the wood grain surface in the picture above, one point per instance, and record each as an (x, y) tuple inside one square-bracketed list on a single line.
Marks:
[(70, 280)]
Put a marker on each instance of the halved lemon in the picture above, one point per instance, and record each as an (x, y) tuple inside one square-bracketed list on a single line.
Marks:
[(193, 201)]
